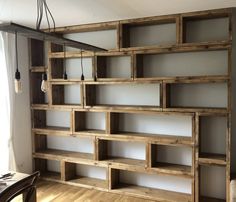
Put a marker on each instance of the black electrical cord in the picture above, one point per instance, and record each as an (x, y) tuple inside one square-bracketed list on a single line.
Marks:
[(64, 62), (81, 65), (43, 7), (17, 73)]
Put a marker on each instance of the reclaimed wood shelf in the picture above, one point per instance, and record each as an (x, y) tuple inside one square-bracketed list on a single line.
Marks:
[(134, 56)]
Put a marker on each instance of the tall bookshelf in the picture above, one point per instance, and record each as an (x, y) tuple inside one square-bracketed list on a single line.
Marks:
[(102, 138)]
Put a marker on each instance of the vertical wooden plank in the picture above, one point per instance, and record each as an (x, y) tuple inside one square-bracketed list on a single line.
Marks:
[(166, 99), (114, 123), (94, 69), (228, 156), (39, 118), (138, 66), (101, 149), (179, 29), (89, 95), (58, 93), (194, 134), (151, 154), (79, 121), (101, 67), (82, 95), (197, 168), (108, 122), (40, 165), (124, 36), (68, 170), (113, 178), (118, 31)]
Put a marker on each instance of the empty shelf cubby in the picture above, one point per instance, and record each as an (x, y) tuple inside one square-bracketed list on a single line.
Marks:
[(151, 125), (73, 68), (211, 95), (173, 160), (145, 95), (154, 187), (66, 93), (48, 144), (205, 27), (52, 120), (49, 169), (89, 122), (181, 64), (114, 67), (122, 152), (213, 133), (212, 183), (86, 175), (158, 31)]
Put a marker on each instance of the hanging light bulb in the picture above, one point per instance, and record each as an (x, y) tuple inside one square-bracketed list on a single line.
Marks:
[(44, 84), (18, 85), (64, 74)]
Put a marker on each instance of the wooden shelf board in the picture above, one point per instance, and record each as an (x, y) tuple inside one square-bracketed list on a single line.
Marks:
[(212, 159), (124, 107), (90, 132), (184, 47), (116, 82), (70, 54), (39, 69), (153, 138), (69, 81), (186, 79), (210, 199), (125, 161), (67, 106), (196, 109), (88, 182), (151, 193), (173, 169), (54, 154), (50, 107), (53, 129)]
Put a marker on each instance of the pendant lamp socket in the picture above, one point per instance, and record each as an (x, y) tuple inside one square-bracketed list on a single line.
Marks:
[(65, 76)]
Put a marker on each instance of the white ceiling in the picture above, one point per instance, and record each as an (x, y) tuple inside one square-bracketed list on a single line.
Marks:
[(71, 12)]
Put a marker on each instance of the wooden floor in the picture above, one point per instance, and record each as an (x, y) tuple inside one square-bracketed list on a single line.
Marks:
[(51, 191)]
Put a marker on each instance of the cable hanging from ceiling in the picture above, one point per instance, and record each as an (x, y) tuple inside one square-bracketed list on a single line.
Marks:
[(41, 8)]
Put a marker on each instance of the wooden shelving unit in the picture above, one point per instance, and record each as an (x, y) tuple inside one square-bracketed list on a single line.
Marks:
[(181, 41)]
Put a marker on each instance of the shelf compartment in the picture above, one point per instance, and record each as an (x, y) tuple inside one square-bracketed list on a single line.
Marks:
[(121, 152), (79, 145), (132, 33), (206, 27), (186, 96), (68, 94), (114, 67), (119, 184), (87, 123), (113, 95), (73, 68), (153, 138), (51, 121), (152, 125), (213, 133), (173, 65), (49, 169), (169, 159), (87, 176), (37, 96), (212, 188), (37, 55)]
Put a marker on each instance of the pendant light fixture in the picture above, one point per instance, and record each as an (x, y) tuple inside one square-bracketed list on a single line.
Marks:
[(64, 64), (44, 84), (81, 65), (18, 85)]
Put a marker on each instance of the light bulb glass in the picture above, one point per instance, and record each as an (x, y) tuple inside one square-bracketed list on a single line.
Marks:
[(44, 86), (18, 86)]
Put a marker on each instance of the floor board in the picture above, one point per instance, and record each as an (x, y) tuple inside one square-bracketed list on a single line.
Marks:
[(56, 192)]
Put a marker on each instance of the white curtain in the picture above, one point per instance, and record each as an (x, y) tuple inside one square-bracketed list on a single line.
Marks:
[(7, 101)]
